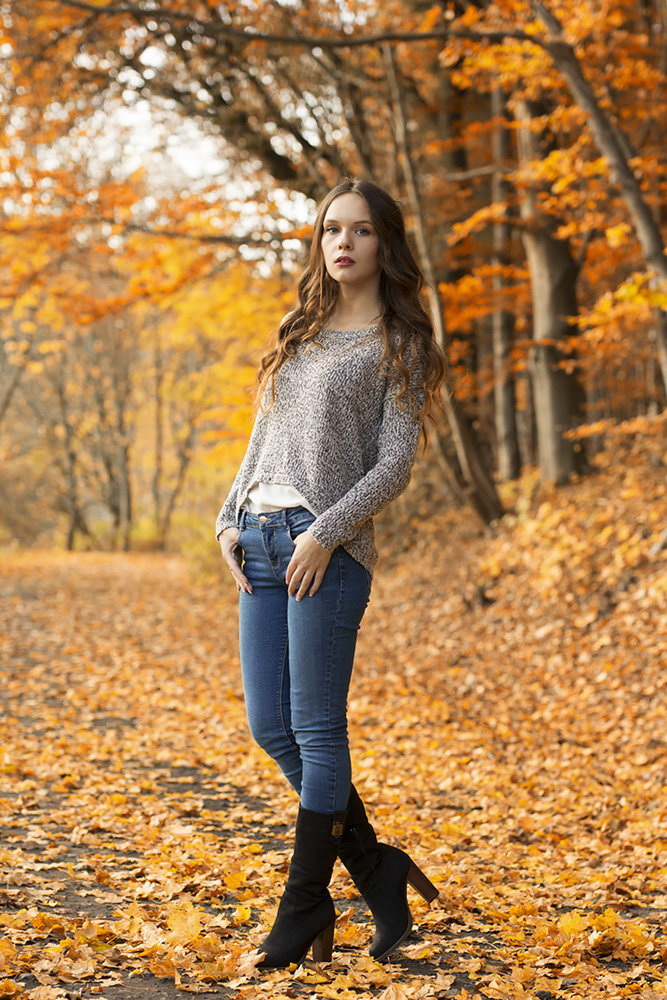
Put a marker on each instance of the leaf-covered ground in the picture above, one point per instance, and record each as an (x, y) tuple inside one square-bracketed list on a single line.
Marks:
[(508, 727)]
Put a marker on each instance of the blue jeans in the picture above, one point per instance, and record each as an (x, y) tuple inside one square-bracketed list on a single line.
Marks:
[(296, 657)]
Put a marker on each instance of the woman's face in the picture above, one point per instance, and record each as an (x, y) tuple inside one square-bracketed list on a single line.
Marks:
[(350, 242)]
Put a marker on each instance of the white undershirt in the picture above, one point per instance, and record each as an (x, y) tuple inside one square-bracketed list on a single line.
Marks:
[(265, 497)]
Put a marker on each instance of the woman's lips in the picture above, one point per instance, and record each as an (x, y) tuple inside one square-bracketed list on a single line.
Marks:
[(344, 261)]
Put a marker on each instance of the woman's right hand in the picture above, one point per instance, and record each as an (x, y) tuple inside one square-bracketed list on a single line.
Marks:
[(231, 553)]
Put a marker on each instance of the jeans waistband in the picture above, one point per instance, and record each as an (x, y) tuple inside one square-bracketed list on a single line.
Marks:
[(286, 516)]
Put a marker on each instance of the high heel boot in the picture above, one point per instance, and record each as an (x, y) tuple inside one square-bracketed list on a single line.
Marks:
[(381, 873), (306, 914)]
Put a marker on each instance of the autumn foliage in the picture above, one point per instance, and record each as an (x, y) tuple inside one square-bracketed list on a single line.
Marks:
[(508, 728), (158, 174)]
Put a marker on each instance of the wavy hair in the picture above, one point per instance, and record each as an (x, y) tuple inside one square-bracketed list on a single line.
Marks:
[(411, 358)]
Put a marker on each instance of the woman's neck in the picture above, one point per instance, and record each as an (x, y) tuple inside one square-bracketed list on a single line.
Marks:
[(354, 313)]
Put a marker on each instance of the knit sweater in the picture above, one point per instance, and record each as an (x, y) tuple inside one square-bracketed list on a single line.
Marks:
[(336, 433)]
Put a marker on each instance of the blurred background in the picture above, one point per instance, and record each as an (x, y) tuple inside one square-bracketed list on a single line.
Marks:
[(160, 164)]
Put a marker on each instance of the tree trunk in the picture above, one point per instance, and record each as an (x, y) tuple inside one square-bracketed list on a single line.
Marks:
[(184, 459), (124, 495), (72, 500), (11, 387), (504, 394), (557, 392), (480, 487), (159, 437)]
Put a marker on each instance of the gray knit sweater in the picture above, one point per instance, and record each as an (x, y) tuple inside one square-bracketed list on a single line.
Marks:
[(337, 435)]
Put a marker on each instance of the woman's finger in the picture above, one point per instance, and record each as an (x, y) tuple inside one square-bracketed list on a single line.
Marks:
[(242, 582), (295, 578), (232, 555), (317, 580), (307, 566), (304, 584)]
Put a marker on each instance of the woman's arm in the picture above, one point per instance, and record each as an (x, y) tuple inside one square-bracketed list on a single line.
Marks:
[(227, 518), (398, 437), (231, 553)]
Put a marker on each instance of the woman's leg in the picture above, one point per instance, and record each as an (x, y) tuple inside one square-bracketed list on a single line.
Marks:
[(297, 657), (322, 638), (263, 642), (297, 660), (382, 874)]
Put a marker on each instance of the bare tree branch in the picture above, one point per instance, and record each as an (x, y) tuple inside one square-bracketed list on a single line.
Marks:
[(316, 41), (232, 241), (137, 227)]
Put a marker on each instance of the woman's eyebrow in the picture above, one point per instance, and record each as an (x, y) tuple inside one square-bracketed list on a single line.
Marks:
[(359, 222)]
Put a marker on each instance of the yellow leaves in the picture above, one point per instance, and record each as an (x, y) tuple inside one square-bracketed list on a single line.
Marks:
[(7, 953), (184, 925), (499, 990), (310, 975), (65, 962), (395, 992), (492, 566), (349, 933), (618, 235), (573, 923), (48, 993), (521, 982), (541, 819), (337, 990), (607, 933), (8, 988), (420, 952), (234, 880), (477, 221), (431, 18), (50, 346), (164, 968)]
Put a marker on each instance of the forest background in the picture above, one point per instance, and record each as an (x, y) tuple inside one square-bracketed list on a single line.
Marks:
[(160, 163)]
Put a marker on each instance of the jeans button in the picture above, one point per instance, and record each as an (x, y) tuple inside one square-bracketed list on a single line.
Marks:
[(263, 519)]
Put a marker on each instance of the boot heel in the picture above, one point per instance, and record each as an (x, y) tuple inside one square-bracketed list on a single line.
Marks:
[(323, 945), (421, 884)]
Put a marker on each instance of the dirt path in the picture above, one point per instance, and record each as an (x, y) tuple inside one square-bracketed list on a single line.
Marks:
[(144, 839)]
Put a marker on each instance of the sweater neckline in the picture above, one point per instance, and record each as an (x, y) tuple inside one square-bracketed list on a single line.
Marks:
[(360, 329)]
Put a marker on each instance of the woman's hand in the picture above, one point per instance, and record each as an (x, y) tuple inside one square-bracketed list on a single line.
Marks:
[(231, 553), (306, 567)]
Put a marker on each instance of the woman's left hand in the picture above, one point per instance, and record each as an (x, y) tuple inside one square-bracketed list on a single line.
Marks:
[(307, 566)]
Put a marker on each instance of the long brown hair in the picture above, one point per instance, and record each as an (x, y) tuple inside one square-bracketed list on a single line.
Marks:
[(405, 324)]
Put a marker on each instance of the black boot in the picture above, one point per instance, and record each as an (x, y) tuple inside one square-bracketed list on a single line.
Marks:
[(306, 914), (381, 873)]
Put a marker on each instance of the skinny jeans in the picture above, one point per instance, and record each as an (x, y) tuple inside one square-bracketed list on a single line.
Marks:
[(297, 656)]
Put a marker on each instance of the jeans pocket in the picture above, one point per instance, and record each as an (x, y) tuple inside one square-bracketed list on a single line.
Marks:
[(297, 524), (243, 530)]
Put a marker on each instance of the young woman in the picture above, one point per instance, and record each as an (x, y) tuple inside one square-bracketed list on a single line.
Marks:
[(344, 394)]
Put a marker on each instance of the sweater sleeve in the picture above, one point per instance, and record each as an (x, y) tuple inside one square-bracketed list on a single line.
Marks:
[(398, 437), (227, 518)]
